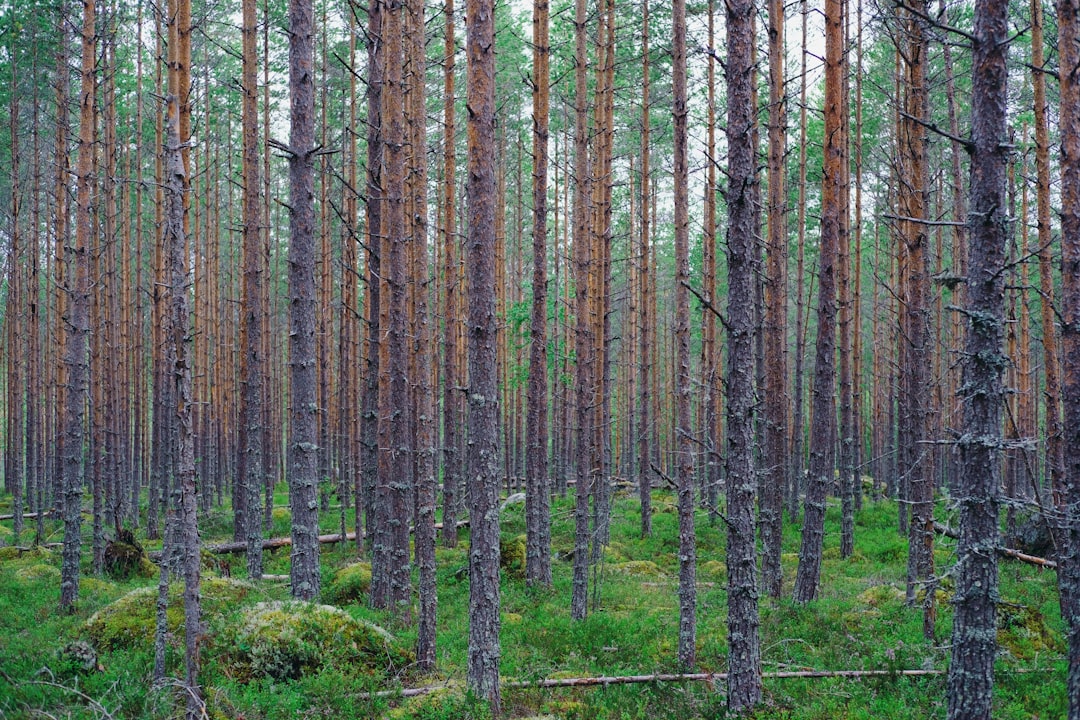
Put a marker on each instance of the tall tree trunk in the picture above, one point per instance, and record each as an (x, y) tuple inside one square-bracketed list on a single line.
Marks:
[(684, 479), (78, 323), (1068, 12), (744, 680), (775, 481), (822, 447), (583, 337), (251, 479), (537, 492), (971, 673), (303, 405), (645, 339), (1051, 362), (483, 665), (424, 398)]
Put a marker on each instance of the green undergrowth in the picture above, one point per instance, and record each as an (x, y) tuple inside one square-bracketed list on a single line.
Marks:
[(267, 658)]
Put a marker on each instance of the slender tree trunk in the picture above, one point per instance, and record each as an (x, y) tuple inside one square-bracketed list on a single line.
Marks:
[(78, 324), (744, 680), (254, 366), (583, 337), (684, 479), (775, 481), (1068, 12), (1051, 363), (971, 673), (822, 447), (303, 411), (645, 339), (537, 492), (483, 666)]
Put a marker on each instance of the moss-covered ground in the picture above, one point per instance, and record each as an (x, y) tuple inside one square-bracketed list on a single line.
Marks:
[(860, 622)]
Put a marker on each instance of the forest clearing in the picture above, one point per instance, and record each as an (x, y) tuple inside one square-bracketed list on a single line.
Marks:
[(588, 358)]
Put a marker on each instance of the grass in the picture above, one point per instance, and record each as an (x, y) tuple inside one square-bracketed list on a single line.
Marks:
[(860, 621)]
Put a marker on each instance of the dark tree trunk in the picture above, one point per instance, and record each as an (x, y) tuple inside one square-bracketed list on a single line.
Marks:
[(1068, 12), (483, 461), (251, 475), (974, 640), (645, 341), (303, 409), (537, 492), (744, 680), (822, 445), (684, 478)]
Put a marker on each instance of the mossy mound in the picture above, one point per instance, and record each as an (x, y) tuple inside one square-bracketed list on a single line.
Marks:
[(1024, 632), (284, 640), (350, 584), (713, 570), (130, 621), (37, 573), (512, 556), (646, 568), (280, 521), (30, 554), (6, 534), (878, 595), (125, 557)]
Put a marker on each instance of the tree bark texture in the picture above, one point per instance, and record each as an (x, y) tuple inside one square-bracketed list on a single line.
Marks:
[(303, 411), (974, 637), (483, 460), (822, 446)]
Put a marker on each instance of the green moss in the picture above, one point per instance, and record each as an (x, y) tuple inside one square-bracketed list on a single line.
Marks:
[(6, 534), (1024, 632), (350, 584), (123, 559), (878, 595), (512, 556), (26, 554), (37, 573), (713, 570), (645, 568), (284, 640), (448, 703), (130, 621)]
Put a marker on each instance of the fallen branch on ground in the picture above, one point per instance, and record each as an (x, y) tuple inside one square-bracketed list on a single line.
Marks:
[(1003, 551)]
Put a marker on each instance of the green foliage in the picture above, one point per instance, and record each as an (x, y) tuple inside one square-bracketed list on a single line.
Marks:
[(350, 584), (452, 702), (512, 556), (284, 640)]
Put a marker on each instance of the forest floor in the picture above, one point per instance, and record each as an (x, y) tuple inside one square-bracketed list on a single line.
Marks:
[(860, 622)]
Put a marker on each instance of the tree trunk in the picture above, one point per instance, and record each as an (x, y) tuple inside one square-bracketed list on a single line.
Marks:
[(75, 359), (303, 405), (822, 447), (645, 340), (971, 673), (744, 681), (251, 477), (537, 492), (1068, 12), (483, 664), (684, 479)]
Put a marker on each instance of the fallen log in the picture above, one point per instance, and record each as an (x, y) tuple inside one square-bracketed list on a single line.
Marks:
[(279, 542), (710, 678), (1003, 551)]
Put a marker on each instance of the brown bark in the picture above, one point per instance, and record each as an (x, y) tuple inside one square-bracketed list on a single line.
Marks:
[(822, 454), (775, 451), (709, 425), (303, 407), (744, 682), (392, 586), (537, 491), (483, 460), (646, 334), (583, 333), (970, 684)]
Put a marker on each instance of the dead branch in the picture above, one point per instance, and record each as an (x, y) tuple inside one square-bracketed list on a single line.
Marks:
[(1003, 551)]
